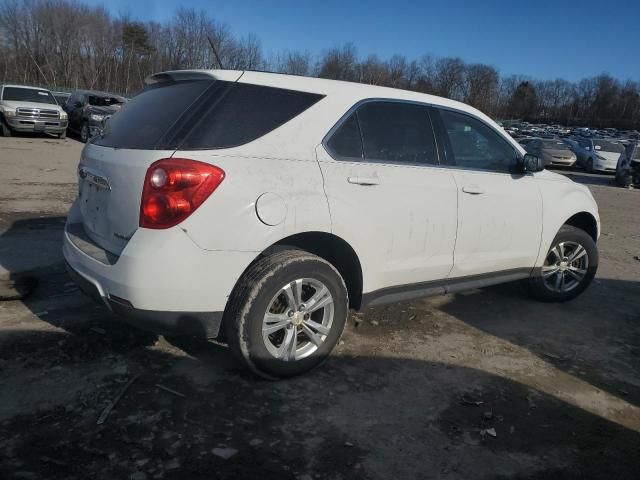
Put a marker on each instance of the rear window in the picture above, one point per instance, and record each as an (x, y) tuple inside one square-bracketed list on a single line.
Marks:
[(142, 122), (202, 114), (99, 101), (17, 94)]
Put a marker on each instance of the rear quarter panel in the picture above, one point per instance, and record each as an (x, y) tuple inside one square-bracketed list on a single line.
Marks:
[(229, 220)]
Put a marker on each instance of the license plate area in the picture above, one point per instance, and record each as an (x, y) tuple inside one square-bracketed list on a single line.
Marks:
[(94, 201)]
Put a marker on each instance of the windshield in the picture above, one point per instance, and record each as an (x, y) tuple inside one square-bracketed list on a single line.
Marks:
[(99, 101), (18, 94), (606, 146), (555, 145)]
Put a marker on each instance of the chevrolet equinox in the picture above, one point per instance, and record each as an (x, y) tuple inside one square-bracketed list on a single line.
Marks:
[(258, 208)]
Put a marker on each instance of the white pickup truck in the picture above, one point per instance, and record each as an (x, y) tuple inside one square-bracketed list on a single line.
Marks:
[(30, 109)]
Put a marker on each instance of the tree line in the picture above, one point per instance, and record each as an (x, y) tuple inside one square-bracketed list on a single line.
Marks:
[(64, 44)]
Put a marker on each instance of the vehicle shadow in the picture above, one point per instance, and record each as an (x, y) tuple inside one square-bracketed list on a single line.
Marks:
[(595, 337), (428, 408), (585, 178), (358, 416)]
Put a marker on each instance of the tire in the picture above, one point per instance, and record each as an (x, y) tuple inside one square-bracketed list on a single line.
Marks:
[(4, 129), (545, 286), (261, 290), (84, 132), (63, 135)]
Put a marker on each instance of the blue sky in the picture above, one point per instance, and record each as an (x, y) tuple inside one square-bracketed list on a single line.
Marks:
[(542, 39)]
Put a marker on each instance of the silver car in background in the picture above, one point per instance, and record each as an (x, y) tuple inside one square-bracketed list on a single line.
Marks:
[(552, 151), (598, 154)]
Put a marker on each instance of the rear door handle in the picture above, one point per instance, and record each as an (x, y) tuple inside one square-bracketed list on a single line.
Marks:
[(473, 189), (364, 180)]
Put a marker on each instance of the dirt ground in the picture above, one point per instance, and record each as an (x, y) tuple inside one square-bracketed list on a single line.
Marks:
[(487, 384)]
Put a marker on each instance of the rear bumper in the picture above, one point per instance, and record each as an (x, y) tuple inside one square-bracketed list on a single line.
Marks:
[(21, 124), (200, 324), (161, 281)]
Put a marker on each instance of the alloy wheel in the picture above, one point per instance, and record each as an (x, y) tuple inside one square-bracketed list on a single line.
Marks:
[(565, 267), (298, 319)]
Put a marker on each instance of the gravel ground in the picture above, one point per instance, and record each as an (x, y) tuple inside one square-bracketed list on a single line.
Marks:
[(485, 384)]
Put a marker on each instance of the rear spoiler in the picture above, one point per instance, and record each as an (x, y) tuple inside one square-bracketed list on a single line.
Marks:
[(185, 75)]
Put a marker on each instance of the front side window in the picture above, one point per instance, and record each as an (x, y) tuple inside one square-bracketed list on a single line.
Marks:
[(476, 145), (397, 132), (33, 95)]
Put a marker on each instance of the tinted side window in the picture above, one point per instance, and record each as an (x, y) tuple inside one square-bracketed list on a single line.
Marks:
[(346, 140), (397, 132), (246, 112), (476, 145)]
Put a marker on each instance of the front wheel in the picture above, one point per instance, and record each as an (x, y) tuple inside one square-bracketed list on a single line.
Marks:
[(286, 314), (62, 135), (569, 267), (4, 129), (84, 133)]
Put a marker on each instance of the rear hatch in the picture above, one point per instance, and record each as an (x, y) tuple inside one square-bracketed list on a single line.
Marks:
[(148, 128)]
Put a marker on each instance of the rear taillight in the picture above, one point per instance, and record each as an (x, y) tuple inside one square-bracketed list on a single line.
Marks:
[(174, 188)]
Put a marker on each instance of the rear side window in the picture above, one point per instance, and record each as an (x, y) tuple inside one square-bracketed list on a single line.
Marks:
[(397, 132), (244, 113), (346, 141), (143, 122)]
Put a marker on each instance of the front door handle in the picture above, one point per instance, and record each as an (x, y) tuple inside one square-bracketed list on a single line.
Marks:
[(364, 180), (473, 189)]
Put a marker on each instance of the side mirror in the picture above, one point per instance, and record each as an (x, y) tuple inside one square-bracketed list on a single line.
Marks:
[(532, 163)]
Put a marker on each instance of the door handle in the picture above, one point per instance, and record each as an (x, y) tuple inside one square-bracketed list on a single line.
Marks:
[(473, 189), (364, 180)]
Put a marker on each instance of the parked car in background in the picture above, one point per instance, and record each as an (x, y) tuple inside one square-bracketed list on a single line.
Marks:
[(30, 109), (598, 154), (88, 112), (628, 167), (552, 151), (61, 97), (261, 207)]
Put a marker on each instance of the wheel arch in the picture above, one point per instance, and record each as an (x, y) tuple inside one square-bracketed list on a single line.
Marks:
[(584, 221), (331, 248), (334, 250)]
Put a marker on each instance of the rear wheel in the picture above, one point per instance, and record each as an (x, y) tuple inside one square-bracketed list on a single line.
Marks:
[(569, 267), (286, 314)]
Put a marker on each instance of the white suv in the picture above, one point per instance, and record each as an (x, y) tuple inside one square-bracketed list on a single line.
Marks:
[(258, 208)]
